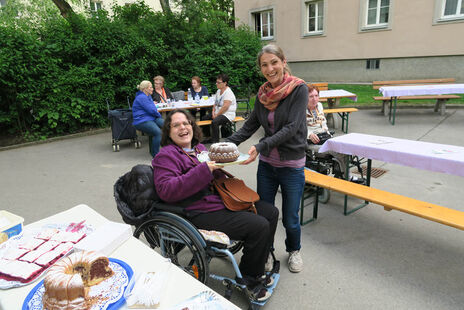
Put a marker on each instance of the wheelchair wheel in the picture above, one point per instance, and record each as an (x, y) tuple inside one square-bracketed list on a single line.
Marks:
[(176, 242), (324, 195)]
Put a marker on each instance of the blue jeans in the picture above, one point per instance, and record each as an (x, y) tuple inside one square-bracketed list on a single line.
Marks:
[(291, 181), (153, 130)]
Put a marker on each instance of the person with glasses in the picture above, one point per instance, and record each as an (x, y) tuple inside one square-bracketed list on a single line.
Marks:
[(181, 179), (280, 109), (225, 105), (161, 93), (146, 116)]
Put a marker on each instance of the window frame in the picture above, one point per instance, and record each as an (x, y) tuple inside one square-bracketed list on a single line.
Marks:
[(305, 17), (440, 16), (364, 14), (271, 25), (94, 4)]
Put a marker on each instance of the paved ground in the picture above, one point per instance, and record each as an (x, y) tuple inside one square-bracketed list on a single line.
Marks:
[(372, 259)]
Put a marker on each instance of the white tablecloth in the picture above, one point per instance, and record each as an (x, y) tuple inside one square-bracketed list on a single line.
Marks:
[(140, 257), (187, 104), (415, 90), (337, 93), (423, 155)]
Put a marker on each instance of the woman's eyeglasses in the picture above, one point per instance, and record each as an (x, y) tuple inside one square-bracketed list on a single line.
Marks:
[(177, 125)]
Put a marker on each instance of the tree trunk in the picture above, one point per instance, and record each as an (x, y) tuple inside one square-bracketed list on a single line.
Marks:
[(165, 6), (64, 7)]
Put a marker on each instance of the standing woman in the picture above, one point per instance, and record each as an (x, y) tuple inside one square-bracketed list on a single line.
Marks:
[(280, 108), (161, 93), (146, 117)]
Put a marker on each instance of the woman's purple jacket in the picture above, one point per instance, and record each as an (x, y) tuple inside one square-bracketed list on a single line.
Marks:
[(176, 178)]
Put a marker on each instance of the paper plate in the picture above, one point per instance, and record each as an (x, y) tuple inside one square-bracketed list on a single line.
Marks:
[(111, 290), (203, 156)]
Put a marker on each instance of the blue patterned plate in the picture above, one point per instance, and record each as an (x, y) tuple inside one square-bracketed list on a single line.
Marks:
[(111, 290)]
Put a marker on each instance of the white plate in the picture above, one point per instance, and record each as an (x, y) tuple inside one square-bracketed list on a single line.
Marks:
[(203, 156)]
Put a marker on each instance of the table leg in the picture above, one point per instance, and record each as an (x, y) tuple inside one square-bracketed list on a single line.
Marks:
[(368, 182)]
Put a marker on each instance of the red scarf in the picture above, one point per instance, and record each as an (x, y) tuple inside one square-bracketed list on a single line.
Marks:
[(271, 97)]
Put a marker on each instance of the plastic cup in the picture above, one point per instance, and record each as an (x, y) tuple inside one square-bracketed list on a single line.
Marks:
[(205, 97)]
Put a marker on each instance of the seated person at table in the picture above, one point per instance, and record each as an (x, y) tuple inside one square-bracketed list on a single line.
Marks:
[(317, 124), (146, 116), (181, 179), (161, 93), (200, 90), (224, 108)]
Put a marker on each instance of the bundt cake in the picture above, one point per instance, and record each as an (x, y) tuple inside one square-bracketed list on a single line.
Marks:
[(67, 282), (223, 152)]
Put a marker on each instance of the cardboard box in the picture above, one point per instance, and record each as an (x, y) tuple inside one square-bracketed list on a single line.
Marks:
[(10, 225), (105, 239)]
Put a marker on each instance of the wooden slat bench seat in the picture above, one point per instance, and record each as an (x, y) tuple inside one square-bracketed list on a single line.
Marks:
[(344, 113), (208, 122), (389, 201), (440, 104)]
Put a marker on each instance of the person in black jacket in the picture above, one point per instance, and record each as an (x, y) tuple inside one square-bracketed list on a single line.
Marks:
[(161, 93), (280, 108)]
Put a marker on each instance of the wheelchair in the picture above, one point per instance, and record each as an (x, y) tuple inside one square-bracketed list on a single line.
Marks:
[(166, 230), (326, 163)]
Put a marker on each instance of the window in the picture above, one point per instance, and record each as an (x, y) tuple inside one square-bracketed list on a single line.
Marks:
[(95, 6), (372, 64), (315, 17), (377, 12), (264, 24), (453, 8)]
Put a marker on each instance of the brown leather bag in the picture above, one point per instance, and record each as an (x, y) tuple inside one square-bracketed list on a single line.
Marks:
[(235, 194)]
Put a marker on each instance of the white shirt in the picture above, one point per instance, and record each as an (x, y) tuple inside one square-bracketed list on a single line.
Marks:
[(219, 102)]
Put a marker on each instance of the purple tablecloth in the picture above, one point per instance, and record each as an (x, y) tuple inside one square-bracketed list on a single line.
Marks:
[(423, 155)]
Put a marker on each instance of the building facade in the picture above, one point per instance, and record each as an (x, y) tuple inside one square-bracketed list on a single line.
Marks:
[(96, 5), (362, 40)]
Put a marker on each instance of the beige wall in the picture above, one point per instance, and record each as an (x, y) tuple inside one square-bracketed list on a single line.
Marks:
[(413, 32)]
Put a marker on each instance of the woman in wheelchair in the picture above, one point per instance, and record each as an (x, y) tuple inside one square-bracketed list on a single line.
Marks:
[(180, 177), (318, 133)]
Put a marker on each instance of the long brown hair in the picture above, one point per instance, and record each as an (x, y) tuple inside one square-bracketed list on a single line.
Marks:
[(166, 130)]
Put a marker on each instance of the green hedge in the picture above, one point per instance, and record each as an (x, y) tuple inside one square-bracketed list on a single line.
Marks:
[(55, 80)]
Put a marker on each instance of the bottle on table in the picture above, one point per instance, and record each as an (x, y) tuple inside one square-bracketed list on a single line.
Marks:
[(197, 99), (189, 95)]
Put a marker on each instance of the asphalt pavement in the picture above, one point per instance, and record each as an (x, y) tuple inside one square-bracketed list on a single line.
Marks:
[(371, 259)]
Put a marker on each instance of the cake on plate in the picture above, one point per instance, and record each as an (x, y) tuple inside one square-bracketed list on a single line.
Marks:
[(223, 152), (68, 281)]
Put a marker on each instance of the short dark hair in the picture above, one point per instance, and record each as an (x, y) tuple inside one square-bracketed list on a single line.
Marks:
[(223, 77), (166, 130), (312, 87)]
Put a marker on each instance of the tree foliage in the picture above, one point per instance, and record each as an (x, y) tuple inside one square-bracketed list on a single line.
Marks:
[(58, 77)]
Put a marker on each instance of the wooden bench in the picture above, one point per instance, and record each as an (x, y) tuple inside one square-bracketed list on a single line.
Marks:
[(344, 113), (440, 104), (208, 122), (389, 201)]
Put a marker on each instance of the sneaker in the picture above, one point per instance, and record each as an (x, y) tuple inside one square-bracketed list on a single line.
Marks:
[(357, 180), (258, 293), (295, 262), (267, 280), (269, 264)]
